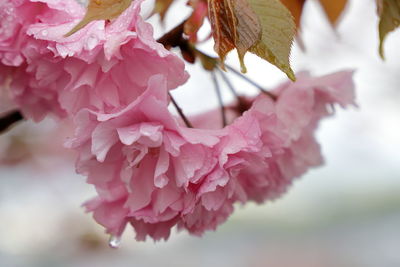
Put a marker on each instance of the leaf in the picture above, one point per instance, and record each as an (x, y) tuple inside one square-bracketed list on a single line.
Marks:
[(101, 10), (333, 9), (196, 19), (223, 25), (278, 31), (208, 63), (235, 25), (389, 11), (161, 7), (263, 27), (296, 8)]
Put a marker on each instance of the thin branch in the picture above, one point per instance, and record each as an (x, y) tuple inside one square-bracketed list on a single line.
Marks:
[(247, 79), (242, 103), (219, 96), (180, 111), (228, 83), (9, 119)]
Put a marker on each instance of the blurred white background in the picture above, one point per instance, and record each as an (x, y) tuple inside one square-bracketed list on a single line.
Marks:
[(346, 213)]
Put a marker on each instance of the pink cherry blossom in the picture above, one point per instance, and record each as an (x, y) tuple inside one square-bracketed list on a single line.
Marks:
[(15, 16), (141, 157), (289, 133), (152, 172), (102, 67), (149, 170)]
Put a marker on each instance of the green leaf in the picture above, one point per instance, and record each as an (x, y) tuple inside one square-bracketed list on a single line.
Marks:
[(389, 11), (101, 10), (263, 27), (278, 31)]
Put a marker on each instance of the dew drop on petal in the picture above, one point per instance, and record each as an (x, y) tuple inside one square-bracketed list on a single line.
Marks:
[(100, 26), (115, 241), (92, 42), (44, 33)]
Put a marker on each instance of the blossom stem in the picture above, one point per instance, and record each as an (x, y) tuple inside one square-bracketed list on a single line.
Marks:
[(240, 75), (180, 111), (228, 83), (219, 96), (9, 119), (247, 79)]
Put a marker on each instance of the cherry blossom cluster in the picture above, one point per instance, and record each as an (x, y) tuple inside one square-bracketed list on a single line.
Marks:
[(150, 170)]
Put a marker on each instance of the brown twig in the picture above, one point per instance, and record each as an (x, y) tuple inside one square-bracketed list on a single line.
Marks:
[(242, 103), (174, 38), (228, 83), (9, 119), (219, 96), (180, 111), (240, 75), (247, 79)]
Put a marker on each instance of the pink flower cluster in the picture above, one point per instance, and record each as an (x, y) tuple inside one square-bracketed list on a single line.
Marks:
[(103, 67), (149, 169), (154, 173)]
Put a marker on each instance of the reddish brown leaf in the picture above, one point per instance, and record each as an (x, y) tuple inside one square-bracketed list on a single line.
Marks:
[(296, 8), (196, 20), (235, 25), (333, 9), (223, 23)]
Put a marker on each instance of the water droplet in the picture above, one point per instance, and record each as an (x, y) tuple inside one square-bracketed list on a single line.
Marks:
[(115, 241), (44, 33), (63, 50), (92, 42), (9, 10), (100, 25)]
